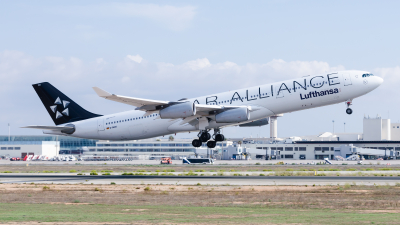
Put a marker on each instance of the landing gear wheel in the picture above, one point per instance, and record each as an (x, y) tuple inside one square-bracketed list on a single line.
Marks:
[(211, 144), (196, 143), (204, 137), (349, 111), (219, 137)]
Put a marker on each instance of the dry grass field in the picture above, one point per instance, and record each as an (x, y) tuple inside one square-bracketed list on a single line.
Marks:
[(199, 204)]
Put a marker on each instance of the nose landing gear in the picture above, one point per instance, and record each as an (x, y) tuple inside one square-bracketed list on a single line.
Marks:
[(349, 110)]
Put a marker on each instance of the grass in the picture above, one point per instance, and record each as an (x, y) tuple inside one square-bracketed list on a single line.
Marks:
[(260, 166), (185, 214), (201, 204)]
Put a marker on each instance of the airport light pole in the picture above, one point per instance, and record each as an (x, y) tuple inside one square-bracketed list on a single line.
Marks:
[(9, 132), (345, 127), (333, 126)]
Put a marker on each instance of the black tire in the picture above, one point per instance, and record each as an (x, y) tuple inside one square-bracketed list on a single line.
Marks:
[(349, 111), (211, 144), (204, 137), (219, 137), (196, 143)]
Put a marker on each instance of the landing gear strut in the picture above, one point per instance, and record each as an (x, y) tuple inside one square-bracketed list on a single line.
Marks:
[(349, 110), (204, 136)]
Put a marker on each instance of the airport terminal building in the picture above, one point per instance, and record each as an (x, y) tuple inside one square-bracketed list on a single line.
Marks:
[(67, 145), (318, 150), (379, 139), (153, 149)]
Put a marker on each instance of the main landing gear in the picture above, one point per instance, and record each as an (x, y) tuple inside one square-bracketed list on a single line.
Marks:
[(204, 136), (349, 110)]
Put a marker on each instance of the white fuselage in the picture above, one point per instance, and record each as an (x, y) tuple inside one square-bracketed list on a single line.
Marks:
[(267, 100)]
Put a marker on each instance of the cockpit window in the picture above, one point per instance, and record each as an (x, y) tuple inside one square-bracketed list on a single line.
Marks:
[(367, 75)]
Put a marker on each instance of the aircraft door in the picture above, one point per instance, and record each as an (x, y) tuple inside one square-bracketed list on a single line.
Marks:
[(100, 124), (347, 80)]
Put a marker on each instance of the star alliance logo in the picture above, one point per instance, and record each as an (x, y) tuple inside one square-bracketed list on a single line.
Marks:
[(57, 103)]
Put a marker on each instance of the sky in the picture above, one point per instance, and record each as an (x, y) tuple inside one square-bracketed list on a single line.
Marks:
[(168, 50)]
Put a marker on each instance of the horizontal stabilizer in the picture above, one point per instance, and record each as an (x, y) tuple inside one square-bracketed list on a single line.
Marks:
[(54, 128)]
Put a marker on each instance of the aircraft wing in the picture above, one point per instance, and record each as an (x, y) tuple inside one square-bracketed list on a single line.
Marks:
[(141, 103), (53, 128), (150, 106)]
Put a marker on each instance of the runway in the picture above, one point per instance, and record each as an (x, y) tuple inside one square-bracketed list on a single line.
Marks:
[(179, 162), (194, 180)]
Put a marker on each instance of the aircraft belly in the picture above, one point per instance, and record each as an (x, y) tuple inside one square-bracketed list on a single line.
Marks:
[(259, 112), (178, 127), (137, 130)]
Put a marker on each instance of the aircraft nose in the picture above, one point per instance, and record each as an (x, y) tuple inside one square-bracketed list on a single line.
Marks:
[(375, 82), (379, 80)]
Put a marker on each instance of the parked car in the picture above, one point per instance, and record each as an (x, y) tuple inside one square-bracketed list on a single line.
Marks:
[(166, 160)]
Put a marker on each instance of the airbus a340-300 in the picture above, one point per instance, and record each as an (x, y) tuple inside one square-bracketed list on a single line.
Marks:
[(245, 107)]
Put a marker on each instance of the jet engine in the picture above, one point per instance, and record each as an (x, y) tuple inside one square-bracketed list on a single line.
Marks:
[(180, 110), (257, 123), (233, 116)]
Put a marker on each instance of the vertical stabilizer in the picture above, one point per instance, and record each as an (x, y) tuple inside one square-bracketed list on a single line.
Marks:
[(61, 108)]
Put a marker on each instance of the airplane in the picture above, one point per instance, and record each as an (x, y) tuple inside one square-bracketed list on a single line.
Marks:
[(245, 107)]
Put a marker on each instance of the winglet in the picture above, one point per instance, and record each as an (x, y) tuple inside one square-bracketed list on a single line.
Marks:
[(101, 93)]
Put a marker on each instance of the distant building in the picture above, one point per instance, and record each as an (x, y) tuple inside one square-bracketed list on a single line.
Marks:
[(378, 134), (395, 132), (318, 150), (68, 145), (376, 129), (152, 148), (22, 148)]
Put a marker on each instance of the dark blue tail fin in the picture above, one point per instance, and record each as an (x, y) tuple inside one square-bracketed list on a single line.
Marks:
[(61, 108)]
